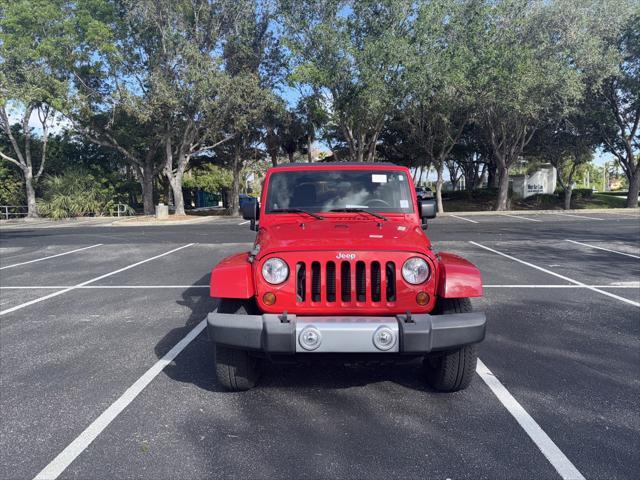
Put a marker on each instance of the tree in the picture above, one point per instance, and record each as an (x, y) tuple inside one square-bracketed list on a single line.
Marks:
[(352, 53), (617, 107), (33, 80), (182, 78), (440, 83), (525, 78), (252, 60), (567, 145)]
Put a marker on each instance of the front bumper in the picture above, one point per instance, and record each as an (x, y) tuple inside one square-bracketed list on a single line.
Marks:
[(280, 334)]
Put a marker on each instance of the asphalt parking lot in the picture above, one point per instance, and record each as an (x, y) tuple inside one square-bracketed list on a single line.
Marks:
[(105, 371)]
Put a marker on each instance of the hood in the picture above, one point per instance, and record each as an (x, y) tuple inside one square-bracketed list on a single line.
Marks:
[(343, 234)]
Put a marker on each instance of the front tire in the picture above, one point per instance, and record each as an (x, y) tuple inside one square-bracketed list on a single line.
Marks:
[(452, 370), (236, 370)]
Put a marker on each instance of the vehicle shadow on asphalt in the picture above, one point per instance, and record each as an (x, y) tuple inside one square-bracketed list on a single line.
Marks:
[(196, 363)]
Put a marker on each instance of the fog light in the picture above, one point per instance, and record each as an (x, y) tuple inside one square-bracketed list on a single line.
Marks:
[(269, 298), (310, 338), (422, 298), (384, 338)]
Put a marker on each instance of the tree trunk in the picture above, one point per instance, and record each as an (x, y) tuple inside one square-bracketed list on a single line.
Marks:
[(32, 207), (234, 201), (147, 188), (439, 182), (503, 188), (492, 180), (290, 155), (567, 196), (274, 159), (634, 190), (178, 197), (309, 156)]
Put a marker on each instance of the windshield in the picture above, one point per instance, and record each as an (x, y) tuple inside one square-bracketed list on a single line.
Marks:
[(384, 191)]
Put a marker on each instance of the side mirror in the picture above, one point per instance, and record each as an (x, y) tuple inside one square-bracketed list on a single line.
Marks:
[(428, 209), (251, 212)]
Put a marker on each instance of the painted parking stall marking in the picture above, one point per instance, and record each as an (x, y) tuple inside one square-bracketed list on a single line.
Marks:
[(93, 280), (462, 218), (51, 256), (101, 287), (602, 248), (549, 449), (75, 448), (520, 217), (575, 282), (576, 216)]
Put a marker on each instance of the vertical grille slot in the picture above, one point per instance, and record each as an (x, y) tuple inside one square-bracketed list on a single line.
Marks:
[(376, 281), (301, 279), (391, 281), (315, 281), (331, 282), (345, 280), (361, 282)]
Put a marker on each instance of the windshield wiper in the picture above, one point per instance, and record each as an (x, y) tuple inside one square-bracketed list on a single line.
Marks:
[(296, 210), (359, 210)]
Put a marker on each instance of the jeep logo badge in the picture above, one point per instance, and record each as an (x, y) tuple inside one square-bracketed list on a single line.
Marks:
[(345, 256)]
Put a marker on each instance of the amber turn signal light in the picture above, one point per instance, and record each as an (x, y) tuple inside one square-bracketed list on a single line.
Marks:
[(422, 298), (269, 298)]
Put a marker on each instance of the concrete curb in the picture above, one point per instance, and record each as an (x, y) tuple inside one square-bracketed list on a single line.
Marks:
[(132, 222)]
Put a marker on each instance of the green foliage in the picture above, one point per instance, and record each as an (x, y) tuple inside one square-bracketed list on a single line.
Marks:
[(77, 193), (209, 178), (354, 55), (11, 188)]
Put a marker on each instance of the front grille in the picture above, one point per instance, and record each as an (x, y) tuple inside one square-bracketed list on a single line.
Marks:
[(347, 281)]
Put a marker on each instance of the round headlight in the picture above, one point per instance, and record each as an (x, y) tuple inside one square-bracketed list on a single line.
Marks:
[(415, 270), (275, 271)]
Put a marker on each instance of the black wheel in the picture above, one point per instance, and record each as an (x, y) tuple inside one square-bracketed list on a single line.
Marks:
[(451, 370), (235, 368)]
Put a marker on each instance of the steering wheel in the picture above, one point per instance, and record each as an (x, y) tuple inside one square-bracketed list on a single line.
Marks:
[(377, 200)]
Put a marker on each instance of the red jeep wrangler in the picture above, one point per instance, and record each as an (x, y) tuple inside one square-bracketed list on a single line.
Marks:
[(342, 267)]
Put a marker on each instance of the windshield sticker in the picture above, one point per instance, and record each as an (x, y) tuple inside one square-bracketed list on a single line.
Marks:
[(356, 206), (404, 203), (401, 178), (378, 178)]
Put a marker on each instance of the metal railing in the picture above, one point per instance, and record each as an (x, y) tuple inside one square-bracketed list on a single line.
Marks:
[(123, 210), (8, 211)]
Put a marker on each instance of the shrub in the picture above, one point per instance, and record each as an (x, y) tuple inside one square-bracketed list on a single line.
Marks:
[(76, 193), (11, 186)]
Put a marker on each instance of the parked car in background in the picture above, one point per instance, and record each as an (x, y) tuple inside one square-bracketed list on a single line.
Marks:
[(424, 193), (246, 200)]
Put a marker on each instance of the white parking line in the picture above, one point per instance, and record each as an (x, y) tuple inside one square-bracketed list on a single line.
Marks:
[(244, 223), (51, 256), (630, 285), (98, 287), (82, 441), (462, 218), (577, 216), (623, 285), (602, 248), (520, 217), (93, 280), (570, 280), (549, 449)]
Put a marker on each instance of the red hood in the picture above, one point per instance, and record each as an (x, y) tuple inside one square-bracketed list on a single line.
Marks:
[(343, 234)]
